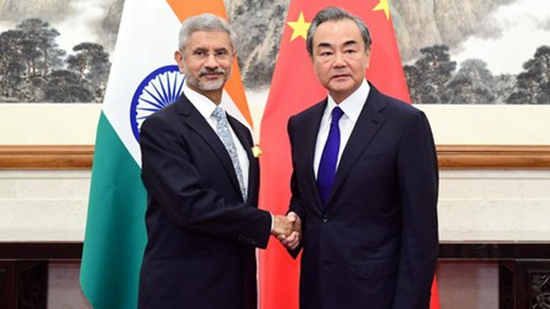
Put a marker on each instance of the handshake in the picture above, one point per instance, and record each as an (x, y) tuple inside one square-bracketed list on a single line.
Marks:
[(288, 230)]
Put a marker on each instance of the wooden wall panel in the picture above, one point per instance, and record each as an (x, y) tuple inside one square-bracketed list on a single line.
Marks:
[(80, 157)]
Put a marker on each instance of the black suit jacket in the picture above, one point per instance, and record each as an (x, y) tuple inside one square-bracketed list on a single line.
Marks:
[(374, 245), (201, 234)]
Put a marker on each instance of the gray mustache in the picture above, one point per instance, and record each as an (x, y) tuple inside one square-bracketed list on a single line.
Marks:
[(210, 71)]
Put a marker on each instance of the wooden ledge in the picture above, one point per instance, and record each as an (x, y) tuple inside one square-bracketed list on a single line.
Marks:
[(493, 157), (46, 157), (80, 157)]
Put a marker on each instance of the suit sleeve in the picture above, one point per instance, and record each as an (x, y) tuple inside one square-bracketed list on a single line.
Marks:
[(418, 184), (296, 204), (172, 179)]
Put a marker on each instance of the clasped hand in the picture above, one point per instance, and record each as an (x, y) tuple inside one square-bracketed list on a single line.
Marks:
[(288, 230)]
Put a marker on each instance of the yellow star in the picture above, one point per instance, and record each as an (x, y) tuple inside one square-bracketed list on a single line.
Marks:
[(383, 5), (300, 27)]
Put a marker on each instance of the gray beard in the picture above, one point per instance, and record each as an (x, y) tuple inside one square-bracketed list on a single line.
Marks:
[(208, 86)]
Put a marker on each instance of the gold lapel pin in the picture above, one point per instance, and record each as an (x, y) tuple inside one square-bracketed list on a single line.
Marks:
[(256, 151)]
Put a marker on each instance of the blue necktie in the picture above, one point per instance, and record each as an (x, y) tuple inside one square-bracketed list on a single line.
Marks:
[(327, 166)]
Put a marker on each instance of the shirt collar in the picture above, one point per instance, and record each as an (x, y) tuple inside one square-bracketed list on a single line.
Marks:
[(353, 104), (202, 103)]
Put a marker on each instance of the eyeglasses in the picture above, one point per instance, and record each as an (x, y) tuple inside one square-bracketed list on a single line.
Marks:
[(219, 55)]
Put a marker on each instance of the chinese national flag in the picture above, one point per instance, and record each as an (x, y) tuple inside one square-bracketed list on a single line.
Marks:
[(294, 88)]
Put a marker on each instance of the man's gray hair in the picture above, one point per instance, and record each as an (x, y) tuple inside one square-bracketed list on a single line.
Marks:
[(335, 14), (204, 22)]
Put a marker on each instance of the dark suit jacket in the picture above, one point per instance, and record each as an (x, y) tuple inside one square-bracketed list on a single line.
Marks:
[(374, 245), (201, 235)]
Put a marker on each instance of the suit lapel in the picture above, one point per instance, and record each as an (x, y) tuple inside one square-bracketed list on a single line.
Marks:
[(253, 175), (198, 124), (308, 134), (368, 124)]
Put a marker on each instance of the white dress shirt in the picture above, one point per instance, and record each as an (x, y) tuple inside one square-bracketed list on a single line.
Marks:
[(206, 109), (351, 107)]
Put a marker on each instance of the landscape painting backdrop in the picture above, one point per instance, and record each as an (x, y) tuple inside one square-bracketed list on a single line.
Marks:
[(453, 52)]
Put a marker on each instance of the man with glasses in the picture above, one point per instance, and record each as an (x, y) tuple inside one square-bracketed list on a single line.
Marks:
[(202, 182)]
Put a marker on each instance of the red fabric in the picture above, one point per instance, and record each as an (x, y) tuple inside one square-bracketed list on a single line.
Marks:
[(294, 88), (434, 302)]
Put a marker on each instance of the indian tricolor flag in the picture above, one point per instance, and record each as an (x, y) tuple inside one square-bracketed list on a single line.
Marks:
[(143, 79)]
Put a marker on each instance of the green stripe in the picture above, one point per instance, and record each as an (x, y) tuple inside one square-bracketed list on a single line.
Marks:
[(115, 230)]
